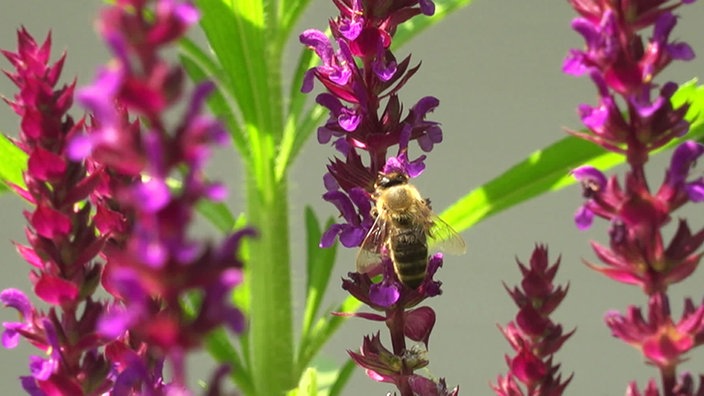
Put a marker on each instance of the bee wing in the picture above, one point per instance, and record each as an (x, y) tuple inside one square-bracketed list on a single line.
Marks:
[(442, 237), (369, 254)]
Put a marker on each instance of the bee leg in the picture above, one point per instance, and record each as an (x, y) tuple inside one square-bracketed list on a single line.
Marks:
[(427, 203)]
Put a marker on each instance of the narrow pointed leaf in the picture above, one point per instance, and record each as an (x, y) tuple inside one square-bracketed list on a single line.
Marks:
[(343, 376), (14, 162), (319, 266), (218, 214), (548, 169), (323, 329), (308, 384), (236, 32), (219, 346)]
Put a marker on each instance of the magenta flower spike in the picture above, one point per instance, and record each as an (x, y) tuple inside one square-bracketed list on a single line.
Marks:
[(62, 240), (155, 179), (534, 337), (362, 78), (634, 117)]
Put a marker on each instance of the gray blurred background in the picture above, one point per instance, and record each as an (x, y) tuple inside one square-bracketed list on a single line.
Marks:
[(495, 66)]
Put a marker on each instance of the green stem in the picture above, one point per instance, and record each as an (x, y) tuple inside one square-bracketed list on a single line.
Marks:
[(271, 327)]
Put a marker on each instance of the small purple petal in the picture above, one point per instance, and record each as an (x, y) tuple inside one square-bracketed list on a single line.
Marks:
[(574, 64), (351, 28), (330, 182), (235, 320), (682, 161), (216, 192), (15, 298), (351, 236), (681, 51), (583, 218), (343, 203), (328, 237), (384, 72), (187, 13), (324, 135), (41, 369), (424, 106), (307, 84), (11, 337), (80, 147), (384, 295), (340, 75), (360, 198), (152, 195), (99, 97), (590, 175), (319, 42), (427, 7), (115, 321), (425, 143), (695, 191), (593, 118), (416, 167), (29, 384), (349, 119)]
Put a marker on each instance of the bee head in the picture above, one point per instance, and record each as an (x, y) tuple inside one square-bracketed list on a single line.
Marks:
[(389, 180)]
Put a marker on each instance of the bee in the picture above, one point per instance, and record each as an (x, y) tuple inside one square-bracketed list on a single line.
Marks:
[(405, 228)]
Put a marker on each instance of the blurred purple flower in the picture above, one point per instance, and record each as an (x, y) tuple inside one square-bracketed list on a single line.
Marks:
[(153, 262)]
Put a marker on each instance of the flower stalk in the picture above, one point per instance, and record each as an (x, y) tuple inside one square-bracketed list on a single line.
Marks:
[(271, 326)]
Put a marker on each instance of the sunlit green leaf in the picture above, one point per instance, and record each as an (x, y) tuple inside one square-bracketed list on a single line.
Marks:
[(14, 162), (318, 268), (548, 169)]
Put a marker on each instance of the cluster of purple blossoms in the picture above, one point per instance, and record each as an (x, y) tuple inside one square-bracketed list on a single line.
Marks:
[(62, 239), (362, 78), (533, 335), (143, 179), (157, 178), (623, 68), (359, 77)]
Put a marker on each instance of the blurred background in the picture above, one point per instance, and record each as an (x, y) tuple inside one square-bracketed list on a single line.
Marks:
[(495, 66)]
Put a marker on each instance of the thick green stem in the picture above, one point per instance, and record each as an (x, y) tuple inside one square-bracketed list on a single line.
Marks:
[(271, 328)]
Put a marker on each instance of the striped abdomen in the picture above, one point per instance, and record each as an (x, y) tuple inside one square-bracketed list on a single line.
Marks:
[(409, 253)]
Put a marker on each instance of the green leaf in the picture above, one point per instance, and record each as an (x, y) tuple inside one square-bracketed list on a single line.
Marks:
[(330, 376), (323, 329), (308, 385), (219, 346), (14, 162), (548, 169), (318, 269), (294, 136), (417, 24), (235, 36), (343, 376), (238, 34), (218, 214), (290, 11)]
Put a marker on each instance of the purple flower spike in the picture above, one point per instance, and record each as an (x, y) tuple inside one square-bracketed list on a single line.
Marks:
[(533, 335), (636, 116), (366, 123)]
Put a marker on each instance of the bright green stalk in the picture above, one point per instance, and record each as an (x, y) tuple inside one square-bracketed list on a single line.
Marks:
[(271, 328)]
